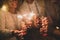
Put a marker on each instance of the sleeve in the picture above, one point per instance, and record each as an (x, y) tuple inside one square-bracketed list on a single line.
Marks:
[(3, 31)]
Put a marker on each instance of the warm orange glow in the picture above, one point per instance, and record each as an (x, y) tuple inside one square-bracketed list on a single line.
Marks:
[(30, 16), (26, 19), (4, 8)]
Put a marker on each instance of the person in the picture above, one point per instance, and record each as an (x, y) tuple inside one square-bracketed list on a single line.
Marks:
[(9, 24), (28, 7)]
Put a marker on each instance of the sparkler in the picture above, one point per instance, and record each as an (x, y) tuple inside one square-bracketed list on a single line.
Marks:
[(20, 16), (30, 16), (26, 16)]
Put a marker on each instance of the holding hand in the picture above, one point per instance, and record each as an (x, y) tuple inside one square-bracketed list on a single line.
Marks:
[(19, 32)]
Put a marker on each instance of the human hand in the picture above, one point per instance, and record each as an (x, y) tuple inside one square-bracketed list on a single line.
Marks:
[(15, 32), (22, 33), (19, 32)]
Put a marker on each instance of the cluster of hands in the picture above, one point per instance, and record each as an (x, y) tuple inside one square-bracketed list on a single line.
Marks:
[(19, 32)]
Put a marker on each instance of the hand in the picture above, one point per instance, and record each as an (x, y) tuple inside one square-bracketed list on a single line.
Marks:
[(22, 33), (19, 32), (15, 32)]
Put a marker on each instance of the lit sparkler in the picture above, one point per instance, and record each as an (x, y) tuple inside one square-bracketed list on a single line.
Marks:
[(20, 17), (30, 16)]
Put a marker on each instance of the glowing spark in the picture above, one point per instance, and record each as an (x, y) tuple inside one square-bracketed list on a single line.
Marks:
[(30, 15), (19, 16), (25, 15)]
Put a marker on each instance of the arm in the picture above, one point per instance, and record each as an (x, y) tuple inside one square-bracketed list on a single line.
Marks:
[(3, 31), (6, 32)]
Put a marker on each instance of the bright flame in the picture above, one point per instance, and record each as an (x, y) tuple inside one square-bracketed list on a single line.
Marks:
[(4, 8), (25, 15), (19, 16), (30, 15)]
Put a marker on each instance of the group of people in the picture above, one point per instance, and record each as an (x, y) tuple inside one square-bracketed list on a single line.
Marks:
[(11, 26)]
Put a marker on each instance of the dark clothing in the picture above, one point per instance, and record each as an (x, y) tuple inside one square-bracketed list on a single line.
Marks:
[(32, 34)]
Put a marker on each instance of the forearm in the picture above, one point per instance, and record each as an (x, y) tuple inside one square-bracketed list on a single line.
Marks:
[(3, 30)]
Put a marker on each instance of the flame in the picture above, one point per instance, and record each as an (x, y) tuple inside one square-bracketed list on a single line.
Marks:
[(20, 17)]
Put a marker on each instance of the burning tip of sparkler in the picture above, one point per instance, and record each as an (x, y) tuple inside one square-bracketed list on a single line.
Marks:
[(30, 16), (4, 8), (24, 15), (19, 16)]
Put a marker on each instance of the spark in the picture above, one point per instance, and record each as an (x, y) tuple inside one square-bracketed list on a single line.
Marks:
[(57, 27), (19, 16)]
